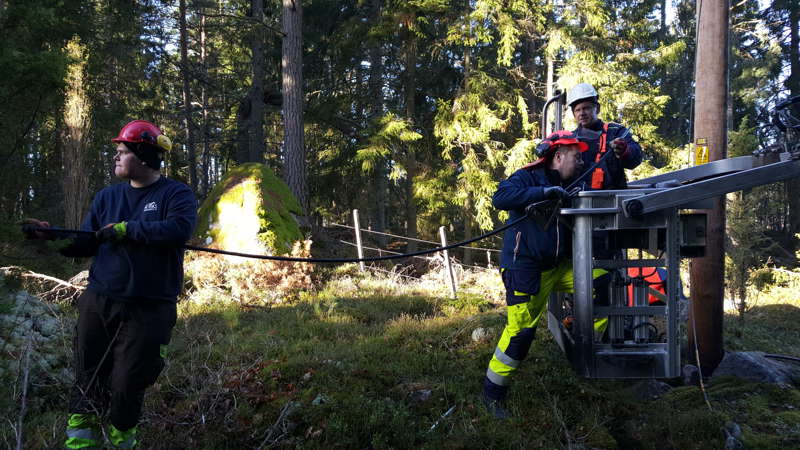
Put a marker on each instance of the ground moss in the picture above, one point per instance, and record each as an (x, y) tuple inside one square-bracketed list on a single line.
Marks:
[(262, 211), (357, 365)]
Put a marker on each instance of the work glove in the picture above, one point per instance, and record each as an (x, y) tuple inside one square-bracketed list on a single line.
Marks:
[(29, 229), (113, 232), (620, 147), (555, 193)]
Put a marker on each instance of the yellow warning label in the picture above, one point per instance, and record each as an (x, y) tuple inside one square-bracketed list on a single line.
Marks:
[(700, 151)]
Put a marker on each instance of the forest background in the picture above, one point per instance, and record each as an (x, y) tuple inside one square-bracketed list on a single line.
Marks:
[(409, 111)]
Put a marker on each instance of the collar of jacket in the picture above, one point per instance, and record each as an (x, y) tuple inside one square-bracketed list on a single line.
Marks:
[(553, 177), (597, 126)]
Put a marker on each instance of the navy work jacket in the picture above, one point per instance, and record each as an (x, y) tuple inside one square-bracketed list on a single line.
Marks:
[(527, 246), (613, 167), (148, 263)]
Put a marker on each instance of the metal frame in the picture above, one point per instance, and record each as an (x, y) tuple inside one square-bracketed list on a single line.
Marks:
[(713, 187), (653, 216), (629, 359)]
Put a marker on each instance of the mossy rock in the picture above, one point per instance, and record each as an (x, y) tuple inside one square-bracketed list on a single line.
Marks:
[(250, 210)]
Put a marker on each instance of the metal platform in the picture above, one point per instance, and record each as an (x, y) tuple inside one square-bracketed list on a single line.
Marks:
[(651, 221)]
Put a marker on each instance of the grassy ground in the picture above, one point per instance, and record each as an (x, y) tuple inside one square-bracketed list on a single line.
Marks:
[(371, 362)]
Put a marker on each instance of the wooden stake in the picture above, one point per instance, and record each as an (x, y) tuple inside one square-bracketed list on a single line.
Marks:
[(359, 246), (451, 277)]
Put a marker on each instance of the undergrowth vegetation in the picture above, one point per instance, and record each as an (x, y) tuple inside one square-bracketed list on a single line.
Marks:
[(361, 360)]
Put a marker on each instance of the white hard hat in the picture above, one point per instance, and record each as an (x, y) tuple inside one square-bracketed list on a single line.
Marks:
[(581, 91)]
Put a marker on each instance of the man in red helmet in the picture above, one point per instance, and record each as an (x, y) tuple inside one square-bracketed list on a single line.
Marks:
[(535, 256), (129, 307)]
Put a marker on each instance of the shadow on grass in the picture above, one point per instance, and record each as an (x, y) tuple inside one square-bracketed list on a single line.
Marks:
[(383, 372), (390, 371)]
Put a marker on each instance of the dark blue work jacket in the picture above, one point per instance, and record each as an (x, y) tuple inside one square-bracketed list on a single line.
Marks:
[(527, 246), (613, 167), (148, 263)]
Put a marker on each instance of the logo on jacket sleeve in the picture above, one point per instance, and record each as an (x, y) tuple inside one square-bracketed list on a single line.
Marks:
[(152, 206)]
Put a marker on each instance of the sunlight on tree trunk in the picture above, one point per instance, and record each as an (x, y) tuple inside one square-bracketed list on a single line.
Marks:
[(75, 135)]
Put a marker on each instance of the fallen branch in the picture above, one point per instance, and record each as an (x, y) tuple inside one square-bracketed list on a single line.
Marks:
[(29, 274), (53, 279), (447, 413), (279, 425)]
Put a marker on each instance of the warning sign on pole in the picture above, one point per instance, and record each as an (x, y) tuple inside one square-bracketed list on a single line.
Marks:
[(700, 151)]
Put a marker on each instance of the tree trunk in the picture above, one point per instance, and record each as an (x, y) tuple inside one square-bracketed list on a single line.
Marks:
[(292, 68), (707, 273), (75, 134), (187, 97), (206, 157), (255, 98), (410, 159), (375, 87), (793, 83)]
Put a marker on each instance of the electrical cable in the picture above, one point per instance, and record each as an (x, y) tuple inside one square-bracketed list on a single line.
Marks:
[(63, 231), (572, 189)]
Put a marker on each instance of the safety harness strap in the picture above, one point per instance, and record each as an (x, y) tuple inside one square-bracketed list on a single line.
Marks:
[(598, 174)]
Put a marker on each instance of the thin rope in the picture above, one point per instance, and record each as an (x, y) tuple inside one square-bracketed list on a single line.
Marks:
[(408, 238)]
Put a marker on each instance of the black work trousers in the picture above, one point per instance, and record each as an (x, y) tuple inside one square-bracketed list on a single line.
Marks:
[(119, 348)]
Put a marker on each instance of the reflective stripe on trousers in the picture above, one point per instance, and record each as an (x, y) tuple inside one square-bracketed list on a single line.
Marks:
[(83, 431), (522, 321)]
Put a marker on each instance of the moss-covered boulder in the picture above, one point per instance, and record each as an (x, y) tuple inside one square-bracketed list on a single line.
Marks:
[(252, 211)]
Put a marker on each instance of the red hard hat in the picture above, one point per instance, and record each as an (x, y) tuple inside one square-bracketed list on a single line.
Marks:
[(549, 145), (143, 131), (559, 138)]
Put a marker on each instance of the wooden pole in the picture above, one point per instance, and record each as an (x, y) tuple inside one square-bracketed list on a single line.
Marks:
[(359, 246), (711, 92), (451, 277)]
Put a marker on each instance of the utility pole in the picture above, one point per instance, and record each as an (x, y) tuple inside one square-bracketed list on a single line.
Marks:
[(710, 108)]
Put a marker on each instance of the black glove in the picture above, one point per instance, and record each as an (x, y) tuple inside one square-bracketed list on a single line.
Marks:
[(555, 193), (29, 230), (620, 147), (111, 232)]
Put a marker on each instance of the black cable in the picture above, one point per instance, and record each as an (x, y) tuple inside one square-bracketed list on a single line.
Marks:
[(651, 336), (571, 189), (314, 260), (593, 166)]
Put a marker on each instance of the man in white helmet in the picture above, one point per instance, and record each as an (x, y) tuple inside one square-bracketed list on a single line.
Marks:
[(601, 137)]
